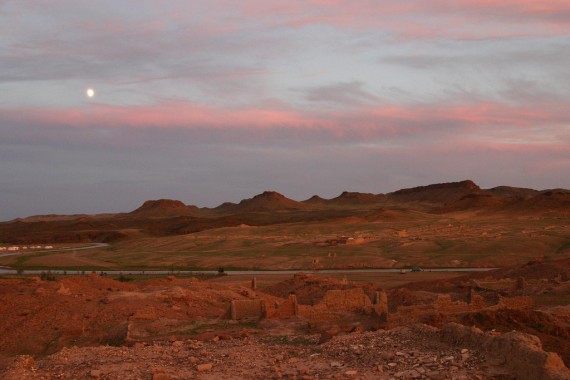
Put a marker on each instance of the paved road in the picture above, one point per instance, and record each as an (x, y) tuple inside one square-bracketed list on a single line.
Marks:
[(7, 270)]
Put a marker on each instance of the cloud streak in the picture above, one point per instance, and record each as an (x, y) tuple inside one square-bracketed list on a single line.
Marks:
[(274, 123), (245, 96)]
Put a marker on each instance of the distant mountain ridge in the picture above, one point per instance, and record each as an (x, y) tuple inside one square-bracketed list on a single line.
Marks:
[(437, 193), (266, 201), (164, 206), (164, 217)]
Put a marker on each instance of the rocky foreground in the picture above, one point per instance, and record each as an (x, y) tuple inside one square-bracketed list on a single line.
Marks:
[(413, 352)]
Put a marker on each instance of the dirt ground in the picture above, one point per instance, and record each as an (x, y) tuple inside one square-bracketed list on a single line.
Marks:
[(85, 327)]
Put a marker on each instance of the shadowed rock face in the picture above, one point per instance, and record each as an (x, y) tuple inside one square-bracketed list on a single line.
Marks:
[(315, 199), (347, 198), (161, 204), (508, 191), (440, 193), (463, 185), (521, 354), (268, 201), (476, 201), (164, 207), (165, 217), (357, 198)]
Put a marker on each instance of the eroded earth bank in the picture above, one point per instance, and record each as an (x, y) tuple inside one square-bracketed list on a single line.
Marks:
[(512, 323)]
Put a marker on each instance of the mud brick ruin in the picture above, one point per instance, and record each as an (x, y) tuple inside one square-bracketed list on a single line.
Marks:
[(288, 308), (248, 309), (334, 305), (521, 283), (517, 302), (444, 304)]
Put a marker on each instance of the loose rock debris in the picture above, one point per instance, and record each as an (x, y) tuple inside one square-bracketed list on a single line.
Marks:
[(414, 352)]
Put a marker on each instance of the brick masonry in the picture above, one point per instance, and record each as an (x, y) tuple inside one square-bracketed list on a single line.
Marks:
[(444, 304), (248, 309), (335, 303)]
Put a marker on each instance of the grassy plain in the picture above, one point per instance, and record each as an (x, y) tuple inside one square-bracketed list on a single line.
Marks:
[(392, 241)]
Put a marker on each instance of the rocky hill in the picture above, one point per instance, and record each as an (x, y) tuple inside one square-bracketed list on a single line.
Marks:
[(440, 193), (266, 201), (315, 200), (166, 217), (164, 207), (509, 191)]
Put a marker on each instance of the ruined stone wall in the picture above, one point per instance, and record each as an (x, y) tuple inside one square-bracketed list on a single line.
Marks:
[(520, 284), (381, 305), (413, 310), (339, 303), (288, 308), (347, 300), (335, 304), (444, 304), (246, 309), (137, 322), (520, 302), (475, 300), (146, 314), (317, 315)]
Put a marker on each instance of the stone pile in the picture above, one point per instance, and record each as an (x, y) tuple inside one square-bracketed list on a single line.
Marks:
[(414, 352)]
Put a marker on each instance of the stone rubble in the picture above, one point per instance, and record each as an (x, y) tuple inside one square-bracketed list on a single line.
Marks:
[(414, 352)]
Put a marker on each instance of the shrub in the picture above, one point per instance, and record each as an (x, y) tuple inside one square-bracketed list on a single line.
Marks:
[(47, 276)]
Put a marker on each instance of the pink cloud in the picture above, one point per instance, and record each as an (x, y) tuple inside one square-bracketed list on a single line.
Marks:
[(165, 115), (492, 120), (462, 19)]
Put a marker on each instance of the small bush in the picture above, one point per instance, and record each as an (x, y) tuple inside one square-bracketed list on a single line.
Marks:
[(47, 276)]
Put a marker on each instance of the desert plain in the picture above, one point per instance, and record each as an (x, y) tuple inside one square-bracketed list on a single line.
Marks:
[(479, 288)]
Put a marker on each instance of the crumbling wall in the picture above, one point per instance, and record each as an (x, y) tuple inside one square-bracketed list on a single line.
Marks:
[(444, 304), (136, 323), (476, 301), (519, 302), (339, 303), (334, 305), (520, 284), (347, 300), (146, 314), (381, 305), (247, 309), (287, 308)]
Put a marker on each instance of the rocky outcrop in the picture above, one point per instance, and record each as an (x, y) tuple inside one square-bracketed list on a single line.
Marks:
[(164, 206), (440, 193), (405, 352), (518, 353), (355, 198)]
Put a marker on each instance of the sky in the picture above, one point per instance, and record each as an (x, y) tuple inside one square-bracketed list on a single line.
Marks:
[(219, 100)]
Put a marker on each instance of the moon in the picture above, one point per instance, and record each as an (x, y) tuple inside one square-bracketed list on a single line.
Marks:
[(90, 93)]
